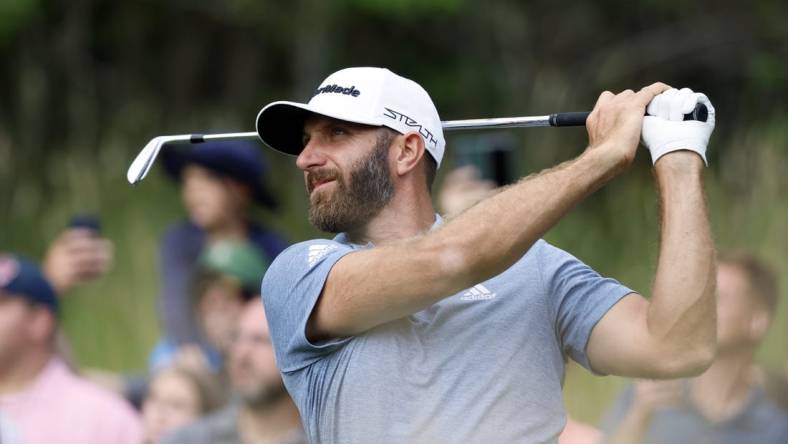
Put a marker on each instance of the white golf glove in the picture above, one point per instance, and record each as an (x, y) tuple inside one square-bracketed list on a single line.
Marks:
[(665, 130)]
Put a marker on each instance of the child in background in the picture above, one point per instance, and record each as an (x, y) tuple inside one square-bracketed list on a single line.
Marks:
[(219, 182), (228, 274), (177, 396)]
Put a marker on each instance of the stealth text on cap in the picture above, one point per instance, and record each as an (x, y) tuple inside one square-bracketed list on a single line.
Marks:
[(427, 134), (339, 89)]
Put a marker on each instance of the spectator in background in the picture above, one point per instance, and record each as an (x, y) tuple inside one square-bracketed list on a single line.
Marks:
[(176, 397), (228, 273), (727, 403), (41, 399), (77, 256), (262, 410), (463, 188), (220, 181)]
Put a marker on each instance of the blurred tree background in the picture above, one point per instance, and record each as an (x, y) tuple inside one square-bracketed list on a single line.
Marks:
[(84, 84)]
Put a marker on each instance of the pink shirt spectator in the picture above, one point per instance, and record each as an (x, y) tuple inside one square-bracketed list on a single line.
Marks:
[(60, 407)]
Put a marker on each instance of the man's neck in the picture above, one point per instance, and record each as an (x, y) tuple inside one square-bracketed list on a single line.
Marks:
[(402, 218), (22, 371), (269, 424), (724, 389)]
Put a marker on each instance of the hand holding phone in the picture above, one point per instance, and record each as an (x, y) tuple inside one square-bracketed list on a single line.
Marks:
[(79, 254)]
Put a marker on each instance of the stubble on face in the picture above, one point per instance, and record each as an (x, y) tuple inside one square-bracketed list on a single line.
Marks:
[(259, 391), (356, 201)]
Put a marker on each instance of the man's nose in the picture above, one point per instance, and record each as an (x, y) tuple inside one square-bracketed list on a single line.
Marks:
[(311, 156)]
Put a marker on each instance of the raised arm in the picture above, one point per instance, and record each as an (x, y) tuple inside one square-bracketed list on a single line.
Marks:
[(673, 334), (371, 287)]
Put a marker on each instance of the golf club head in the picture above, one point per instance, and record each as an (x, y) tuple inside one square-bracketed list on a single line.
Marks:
[(144, 161)]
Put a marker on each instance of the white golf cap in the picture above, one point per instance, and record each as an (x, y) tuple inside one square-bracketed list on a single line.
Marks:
[(369, 96)]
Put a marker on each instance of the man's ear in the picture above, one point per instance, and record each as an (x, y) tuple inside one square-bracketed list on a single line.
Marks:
[(410, 150)]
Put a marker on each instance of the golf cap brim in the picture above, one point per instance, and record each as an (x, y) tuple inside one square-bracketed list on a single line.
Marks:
[(366, 96), (280, 125)]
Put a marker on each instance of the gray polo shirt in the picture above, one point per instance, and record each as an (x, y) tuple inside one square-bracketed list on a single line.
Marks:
[(484, 365)]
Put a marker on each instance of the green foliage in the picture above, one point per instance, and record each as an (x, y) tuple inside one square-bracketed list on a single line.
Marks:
[(15, 14), (406, 8)]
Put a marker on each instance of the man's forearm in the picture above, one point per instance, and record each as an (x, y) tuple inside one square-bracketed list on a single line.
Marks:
[(478, 244), (371, 287), (682, 315), (491, 236)]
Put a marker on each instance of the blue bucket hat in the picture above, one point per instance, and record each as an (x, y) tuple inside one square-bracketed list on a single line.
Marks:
[(20, 277), (240, 161)]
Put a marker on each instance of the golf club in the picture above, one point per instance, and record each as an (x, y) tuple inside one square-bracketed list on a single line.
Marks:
[(144, 161)]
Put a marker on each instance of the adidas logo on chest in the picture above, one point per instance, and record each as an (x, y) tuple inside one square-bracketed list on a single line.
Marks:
[(478, 293)]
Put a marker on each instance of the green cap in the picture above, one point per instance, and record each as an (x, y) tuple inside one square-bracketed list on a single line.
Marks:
[(238, 260)]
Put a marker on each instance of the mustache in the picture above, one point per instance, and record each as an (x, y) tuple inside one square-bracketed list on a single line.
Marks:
[(316, 177)]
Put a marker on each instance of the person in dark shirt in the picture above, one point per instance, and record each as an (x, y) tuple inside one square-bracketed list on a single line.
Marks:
[(220, 182)]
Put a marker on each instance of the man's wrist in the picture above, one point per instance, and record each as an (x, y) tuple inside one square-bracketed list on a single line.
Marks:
[(604, 160), (680, 163)]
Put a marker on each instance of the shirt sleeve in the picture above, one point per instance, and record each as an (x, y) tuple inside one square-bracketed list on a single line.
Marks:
[(291, 287), (579, 298)]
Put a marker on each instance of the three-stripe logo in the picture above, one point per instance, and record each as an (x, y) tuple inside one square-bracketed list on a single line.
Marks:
[(477, 293)]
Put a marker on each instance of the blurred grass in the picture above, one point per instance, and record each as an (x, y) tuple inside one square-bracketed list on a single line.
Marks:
[(112, 323)]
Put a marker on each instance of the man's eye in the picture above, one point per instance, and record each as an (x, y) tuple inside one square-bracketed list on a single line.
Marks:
[(338, 131)]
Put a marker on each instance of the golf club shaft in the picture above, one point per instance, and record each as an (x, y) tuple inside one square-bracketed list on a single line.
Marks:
[(700, 113), (144, 161), (564, 119), (557, 119)]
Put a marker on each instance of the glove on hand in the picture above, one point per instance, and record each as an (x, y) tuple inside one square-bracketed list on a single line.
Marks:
[(665, 130)]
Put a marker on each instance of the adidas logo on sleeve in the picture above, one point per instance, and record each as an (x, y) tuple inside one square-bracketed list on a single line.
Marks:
[(317, 252)]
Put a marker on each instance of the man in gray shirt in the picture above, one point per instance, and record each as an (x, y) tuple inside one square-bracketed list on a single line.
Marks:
[(407, 329), (727, 403)]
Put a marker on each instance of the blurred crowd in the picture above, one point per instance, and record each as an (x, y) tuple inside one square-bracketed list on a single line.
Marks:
[(212, 376)]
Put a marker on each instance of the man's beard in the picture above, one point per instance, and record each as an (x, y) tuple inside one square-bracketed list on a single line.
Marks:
[(352, 205)]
